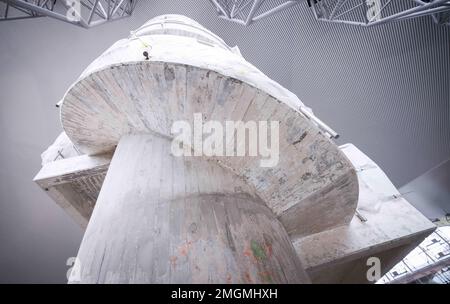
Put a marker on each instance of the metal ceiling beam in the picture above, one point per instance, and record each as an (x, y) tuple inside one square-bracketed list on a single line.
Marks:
[(354, 12), (84, 13), (377, 12), (246, 12)]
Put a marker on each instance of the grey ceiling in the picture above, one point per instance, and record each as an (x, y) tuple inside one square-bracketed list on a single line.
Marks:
[(385, 89), (430, 192)]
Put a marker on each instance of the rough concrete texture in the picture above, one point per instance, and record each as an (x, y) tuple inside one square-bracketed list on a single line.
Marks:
[(388, 226), (165, 219), (215, 219), (124, 93)]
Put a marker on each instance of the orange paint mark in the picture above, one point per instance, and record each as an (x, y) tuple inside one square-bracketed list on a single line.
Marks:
[(268, 249), (229, 278), (248, 253), (173, 261), (185, 248), (248, 278)]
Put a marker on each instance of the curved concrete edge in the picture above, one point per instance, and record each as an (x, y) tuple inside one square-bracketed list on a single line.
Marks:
[(386, 226), (191, 52), (148, 96), (74, 183)]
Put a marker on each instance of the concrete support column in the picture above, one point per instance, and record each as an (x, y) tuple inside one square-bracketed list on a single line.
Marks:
[(166, 219)]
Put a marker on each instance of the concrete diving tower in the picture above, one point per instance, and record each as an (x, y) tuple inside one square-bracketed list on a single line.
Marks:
[(152, 217)]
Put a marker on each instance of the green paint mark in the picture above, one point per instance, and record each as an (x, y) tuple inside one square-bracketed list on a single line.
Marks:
[(258, 250), (265, 276)]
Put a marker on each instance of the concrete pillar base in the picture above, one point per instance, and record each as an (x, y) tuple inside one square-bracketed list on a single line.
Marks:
[(166, 219)]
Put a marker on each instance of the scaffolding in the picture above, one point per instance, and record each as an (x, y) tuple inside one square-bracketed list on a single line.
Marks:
[(246, 12), (428, 262), (376, 12), (84, 13), (354, 12)]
